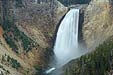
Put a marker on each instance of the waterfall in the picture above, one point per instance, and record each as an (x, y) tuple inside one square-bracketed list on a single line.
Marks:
[(66, 46)]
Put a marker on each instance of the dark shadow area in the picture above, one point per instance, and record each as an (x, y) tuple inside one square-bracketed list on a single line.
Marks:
[(52, 58), (73, 2), (81, 20), (56, 30), (80, 40), (80, 35)]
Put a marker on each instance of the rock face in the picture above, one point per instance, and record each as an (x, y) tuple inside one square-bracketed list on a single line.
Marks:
[(97, 28), (26, 34), (95, 63), (98, 25)]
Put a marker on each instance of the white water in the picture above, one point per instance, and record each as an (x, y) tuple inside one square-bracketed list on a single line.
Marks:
[(66, 46), (50, 70)]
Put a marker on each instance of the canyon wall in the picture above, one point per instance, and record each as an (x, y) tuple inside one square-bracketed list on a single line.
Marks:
[(27, 29), (98, 25), (97, 31)]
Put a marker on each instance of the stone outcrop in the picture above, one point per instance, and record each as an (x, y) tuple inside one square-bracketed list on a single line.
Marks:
[(35, 21), (97, 28), (98, 25)]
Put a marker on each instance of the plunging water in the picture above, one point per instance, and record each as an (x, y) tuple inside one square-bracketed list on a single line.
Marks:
[(66, 46)]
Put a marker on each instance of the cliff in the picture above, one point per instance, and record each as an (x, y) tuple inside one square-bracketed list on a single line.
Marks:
[(97, 62), (98, 25), (26, 34), (28, 29), (97, 31)]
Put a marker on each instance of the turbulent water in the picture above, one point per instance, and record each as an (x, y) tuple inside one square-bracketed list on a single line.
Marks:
[(66, 46)]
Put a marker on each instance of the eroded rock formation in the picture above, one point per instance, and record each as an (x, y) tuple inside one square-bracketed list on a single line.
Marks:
[(98, 25), (27, 30)]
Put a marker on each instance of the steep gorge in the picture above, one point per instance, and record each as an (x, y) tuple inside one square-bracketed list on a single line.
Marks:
[(27, 30), (98, 25), (97, 31)]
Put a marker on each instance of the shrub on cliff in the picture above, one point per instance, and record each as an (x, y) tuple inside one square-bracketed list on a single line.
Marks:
[(95, 63)]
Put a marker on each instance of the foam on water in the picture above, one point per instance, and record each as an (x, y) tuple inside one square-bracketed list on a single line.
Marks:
[(66, 46)]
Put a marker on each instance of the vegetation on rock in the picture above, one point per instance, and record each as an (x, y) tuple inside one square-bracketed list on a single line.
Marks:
[(11, 61), (12, 34), (98, 62), (4, 71), (39, 70)]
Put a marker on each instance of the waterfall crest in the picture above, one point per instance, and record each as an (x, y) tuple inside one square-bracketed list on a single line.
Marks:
[(66, 45)]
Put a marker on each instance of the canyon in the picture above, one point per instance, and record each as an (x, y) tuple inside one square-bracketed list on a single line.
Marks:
[(28, 31)]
